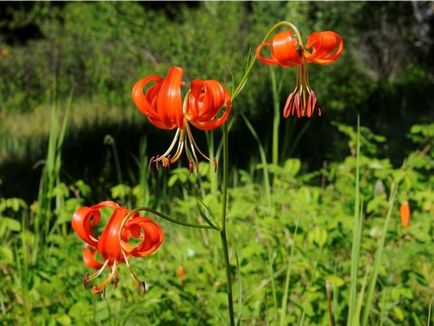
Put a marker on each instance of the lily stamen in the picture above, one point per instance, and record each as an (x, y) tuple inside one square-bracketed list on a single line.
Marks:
[(96, 289), (141, 286), (287, 50), (89, 278)]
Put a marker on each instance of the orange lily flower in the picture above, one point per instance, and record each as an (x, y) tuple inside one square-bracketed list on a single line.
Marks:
[(112, 245), (405, 213), (287, 51), (206, 105)]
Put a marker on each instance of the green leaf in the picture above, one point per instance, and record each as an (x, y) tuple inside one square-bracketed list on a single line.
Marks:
[(6, 254), (10, 224), (206, 214), (120, 191), (292, 167), (63, 320), (398, 313), (318, 236), (172, 180), (83, 188)]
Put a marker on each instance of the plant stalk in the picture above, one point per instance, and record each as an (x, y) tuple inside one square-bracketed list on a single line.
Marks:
[(223, 236), (228, 277), (223, 223)]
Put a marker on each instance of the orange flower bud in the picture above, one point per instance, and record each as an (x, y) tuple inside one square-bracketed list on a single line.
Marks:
[(181, 274), (405, 214)]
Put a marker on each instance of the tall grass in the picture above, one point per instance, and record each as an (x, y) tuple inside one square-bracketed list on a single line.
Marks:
[(378, 258), (264, 164), (49, 200), (143, 165), (357, 300), (357, 232), (24, 134)]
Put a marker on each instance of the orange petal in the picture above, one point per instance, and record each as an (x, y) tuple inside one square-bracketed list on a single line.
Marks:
[(87, 217), (327, 47), (270, 61), (82, 222), (284, 49), (89, 258), (169, 101), (150, 232), (143, 100), (205, 102), (106, 204), (109, 244)]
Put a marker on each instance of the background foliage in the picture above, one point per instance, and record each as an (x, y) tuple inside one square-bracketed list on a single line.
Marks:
[(76, 63)]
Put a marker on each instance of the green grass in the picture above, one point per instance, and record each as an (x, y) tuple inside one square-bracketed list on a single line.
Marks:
[(30, 130), (324, 247), (319, 231)]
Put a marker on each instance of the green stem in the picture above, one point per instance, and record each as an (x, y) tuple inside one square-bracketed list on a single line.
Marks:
[(168, 218), (223, 237), (212, 156), (228, 277), (225, 174), (241, 84), (223, 223), (355, 252), (276, 120)]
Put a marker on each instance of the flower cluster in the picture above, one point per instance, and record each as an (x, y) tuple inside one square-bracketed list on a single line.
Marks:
[(288, 51), (206, 105), (112, 244)]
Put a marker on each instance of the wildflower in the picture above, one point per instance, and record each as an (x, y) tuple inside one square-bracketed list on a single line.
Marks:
[(405, 213), (181, 274), (288, 51), (112, 245), (206, 105)]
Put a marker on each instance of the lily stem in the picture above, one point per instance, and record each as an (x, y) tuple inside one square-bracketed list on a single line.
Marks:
[(168, 218), (222, 231), (243, 80), (228, 277), (223, 223)]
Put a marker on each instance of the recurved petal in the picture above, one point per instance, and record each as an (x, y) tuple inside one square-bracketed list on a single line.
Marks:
[(106, 204), (109, 244), (270, 61), (143, 100), (89, 258), (150, 233), (284, 49), (205, 103), (169, 101), (82, 222), (327, 47)]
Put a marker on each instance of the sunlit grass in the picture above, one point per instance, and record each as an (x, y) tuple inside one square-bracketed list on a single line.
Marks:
[(24, 133)]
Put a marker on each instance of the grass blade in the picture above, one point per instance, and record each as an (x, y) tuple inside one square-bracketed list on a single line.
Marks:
[(240, 289), (263, 159), (355, 252), (287, 280), (378, 258)]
